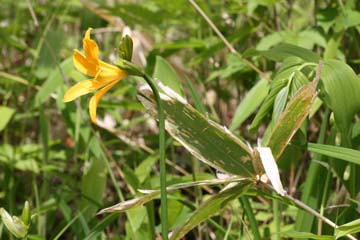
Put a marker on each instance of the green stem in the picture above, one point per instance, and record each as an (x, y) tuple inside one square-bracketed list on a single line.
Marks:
[(163, 193), (323, 200), (151, 217), (250, 215), (277, 217)]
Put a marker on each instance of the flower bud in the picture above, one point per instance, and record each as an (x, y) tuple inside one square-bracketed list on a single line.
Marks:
[(126, 48)]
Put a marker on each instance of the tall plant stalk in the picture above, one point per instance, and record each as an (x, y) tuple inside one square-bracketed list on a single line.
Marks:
[(163, 193)]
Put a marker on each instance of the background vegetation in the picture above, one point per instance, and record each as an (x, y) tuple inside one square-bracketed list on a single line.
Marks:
[(68, 169)]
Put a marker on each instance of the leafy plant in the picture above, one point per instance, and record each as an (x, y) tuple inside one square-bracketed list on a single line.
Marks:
[(261, 102)]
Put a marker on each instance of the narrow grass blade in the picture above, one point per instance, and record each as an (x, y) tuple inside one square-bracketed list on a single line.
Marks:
[(58, 236), (130, 204), (195, 97), (305, 235), (280, 103), (100, 226), (313, 183), (346, 154), (152, 194), (250, 215), (348, 228)]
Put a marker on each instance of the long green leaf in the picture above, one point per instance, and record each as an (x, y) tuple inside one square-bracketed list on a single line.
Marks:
[(53, 81), (276, 86), (305, 235), (280, 80), (93, 181), (341, 92), (195, 96), (348, 228), (291, 119), (152, 194), (313, 183), (280, 103), (167, 75), (284, 50), (346, 154), (249, 104), (101, 225), (209, 208), (205, 139)]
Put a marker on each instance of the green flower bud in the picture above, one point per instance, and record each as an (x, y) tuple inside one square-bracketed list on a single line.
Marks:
[(26, 213), (126, 48)]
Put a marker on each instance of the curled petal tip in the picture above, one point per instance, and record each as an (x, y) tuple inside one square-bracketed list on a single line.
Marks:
[(91, 48), (94, 101), (93, 107), (88, 31)]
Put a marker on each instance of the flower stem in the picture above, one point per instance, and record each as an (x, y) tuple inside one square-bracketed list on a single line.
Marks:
[(315, 213), (161, 116)]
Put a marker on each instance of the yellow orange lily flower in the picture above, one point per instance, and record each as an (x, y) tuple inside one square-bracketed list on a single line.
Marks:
[(105, 76)]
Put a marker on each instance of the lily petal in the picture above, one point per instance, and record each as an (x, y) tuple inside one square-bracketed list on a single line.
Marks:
[(108, 66), (94, 101), (91, 48), (83, 65), (109, 76), (79, 89)]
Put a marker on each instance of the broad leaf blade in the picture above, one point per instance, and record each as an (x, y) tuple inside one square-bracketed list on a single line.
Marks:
[(54, 81), (211, 207), (249, 104), (203, 138), (167, 75), (342, 88), (268, 103), (6, 114), (284, 50), (292, 118), (93, 182)]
